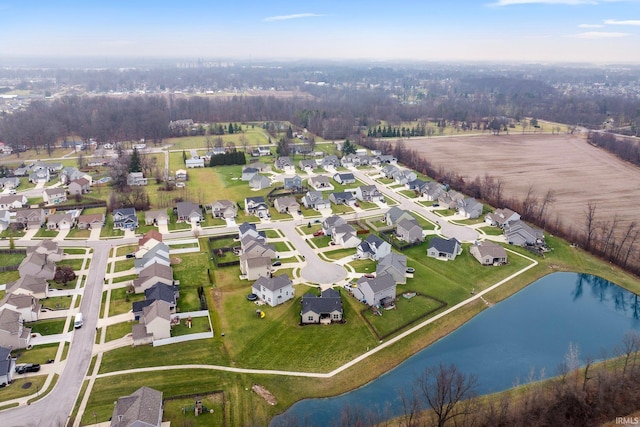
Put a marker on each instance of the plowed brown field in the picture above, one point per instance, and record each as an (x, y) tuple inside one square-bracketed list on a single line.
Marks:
[(576, 170)]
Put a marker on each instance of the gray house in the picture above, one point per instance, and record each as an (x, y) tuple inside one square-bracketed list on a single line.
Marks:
[(259, 182), (441, 248), (324, 309), (188, 212), (293, 183), (344, 178), (248, 173), (286, 204), (224, 209), (125, 219), (373, 247), (143, 408), (7, 366), (470, 208), (395, 265), (520, 233), (314, 200), (256, 206), (379, 290), (369, 193), (409, 230), (342, 198)]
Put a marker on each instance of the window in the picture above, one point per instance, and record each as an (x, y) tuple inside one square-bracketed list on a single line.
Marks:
[(310, 318), (336, 316)]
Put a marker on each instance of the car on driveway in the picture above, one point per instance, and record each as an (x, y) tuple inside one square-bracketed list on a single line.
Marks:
[(29, 367), (369, 276), (130, 255), (276, 264), (318, 233)]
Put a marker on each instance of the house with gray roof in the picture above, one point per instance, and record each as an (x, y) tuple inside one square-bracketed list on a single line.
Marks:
[(447, 249), (143, 408), (369, 193), (248, 229), (409, 230), (470, 208), (342, 198), (501, 217), (390, 170), (307, 165), (10, 182), (395, 215), (54, 196), (194, 162), (125, 219), (286, 204), (387, 159), (284, 164), (13, 201), (159, 291), (30, 218), (404, 176), (38, 265), (330, 162), (33, 286), (373, 247), (344, 178), (49, 248), (91, 221), (293, 183), (13, 333), (79, 186), (254, 267), (259, 182), (249, 172), (320, 183), (315, 200), (136, 178), (188, 212), (151, 275), (350, 160), (522, 234), (27, 305), (5, 219), (7, 366), (61, 221), (325, 308), (330, 223), (379, 290), (256, 206), (345, 235), (432, 190), (69, 174), (450, 199), (395, 265), (156, 217), (224, 209), (159, 253), (274, 290), (39, 174)]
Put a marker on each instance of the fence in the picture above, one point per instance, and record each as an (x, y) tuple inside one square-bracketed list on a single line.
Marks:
[(398, 244)]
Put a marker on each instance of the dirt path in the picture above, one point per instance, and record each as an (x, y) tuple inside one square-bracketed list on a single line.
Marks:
[(576, 170)]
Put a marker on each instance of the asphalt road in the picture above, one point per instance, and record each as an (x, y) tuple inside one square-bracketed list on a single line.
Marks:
[(54, 409)]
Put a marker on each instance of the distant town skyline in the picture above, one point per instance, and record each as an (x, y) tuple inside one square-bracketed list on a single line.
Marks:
[(594, 31)]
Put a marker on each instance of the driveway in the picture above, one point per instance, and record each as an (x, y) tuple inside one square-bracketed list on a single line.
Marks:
[(61, 235), (95, 234), (314, 270)]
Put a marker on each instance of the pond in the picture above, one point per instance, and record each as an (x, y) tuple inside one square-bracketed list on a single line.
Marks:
[(525, 337)]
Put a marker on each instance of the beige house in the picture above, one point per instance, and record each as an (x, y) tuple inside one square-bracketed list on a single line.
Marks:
[(79, 186), (255, 267), (156, 217), (489, 253), (90, 221), (54, 196), (157, 319), (29, 285), (155, 273), (13, 334), (27, 305), (286, 204)]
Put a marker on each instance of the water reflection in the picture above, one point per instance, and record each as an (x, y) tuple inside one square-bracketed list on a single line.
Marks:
[(521, 339)]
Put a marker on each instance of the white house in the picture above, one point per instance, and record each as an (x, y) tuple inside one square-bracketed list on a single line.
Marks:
[(274, 290)]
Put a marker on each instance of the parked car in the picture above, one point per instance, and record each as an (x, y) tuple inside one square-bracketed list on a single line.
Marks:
[(130, 255), (435, 205), (276, 264), (29, 367), (369, 276), (318, 233), (356, 204)]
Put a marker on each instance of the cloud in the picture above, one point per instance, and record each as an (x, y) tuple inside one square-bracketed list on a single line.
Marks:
[(564, 2), (634, 22), (590, 26), (293, 16), (600, 35)]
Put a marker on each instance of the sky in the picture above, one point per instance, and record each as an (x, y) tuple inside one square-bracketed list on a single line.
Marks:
[(594, 31)]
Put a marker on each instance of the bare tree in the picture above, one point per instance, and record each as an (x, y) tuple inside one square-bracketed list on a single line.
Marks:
[(529, 204), (445, 389), (590, 223), (630, 346), (244, 142), (548, 199)]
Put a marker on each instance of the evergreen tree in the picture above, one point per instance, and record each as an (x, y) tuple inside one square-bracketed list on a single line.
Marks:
[(134, 163), (348, 148), (184, 157), (230, 128), (290, 133)]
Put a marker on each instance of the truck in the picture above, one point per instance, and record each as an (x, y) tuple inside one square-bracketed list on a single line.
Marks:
[(77, 322)]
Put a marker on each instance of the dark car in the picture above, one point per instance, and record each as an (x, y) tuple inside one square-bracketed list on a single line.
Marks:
[(369, 276), (276, 264), (131, 255), (29, 367)]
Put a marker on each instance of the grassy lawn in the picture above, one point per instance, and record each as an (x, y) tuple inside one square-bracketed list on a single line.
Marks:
[(56, 303), (11, 259), (340, 253), (272, 234), (470, 221), (423, 222), (341, 209), (47, 327), (78, 233), (407, 312), (16, 389), (76, 264), (118, 330), (444, 212), (38, 354), (226, 242), (198, 324), (46, 234), (282, 246), (408, 193), (75, 251), (173, 411), (124, 278), (124, 265), (192, 273), (492, 231), (321, 241), (363, 265), (8, 233), (121, 301), (107, 229), (229, 278), (123, 250)]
